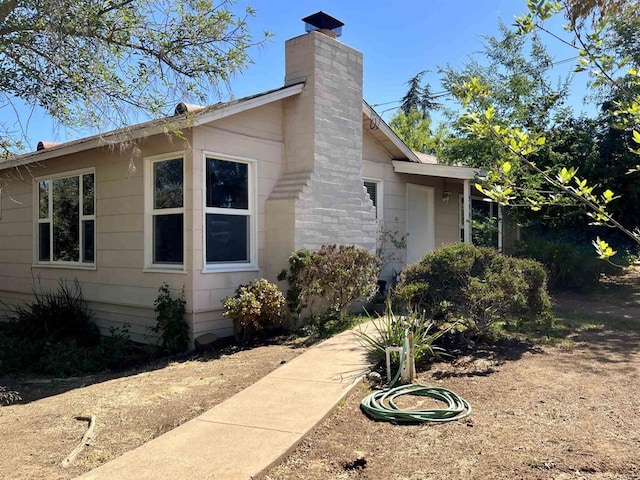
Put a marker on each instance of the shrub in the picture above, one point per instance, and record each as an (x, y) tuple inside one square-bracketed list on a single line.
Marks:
[(55, 335), (389, 330), (335, 276), (7, 397), (476, 286), (569, 266), (170, 322), (58, 315), (255, 307), (299, 260)]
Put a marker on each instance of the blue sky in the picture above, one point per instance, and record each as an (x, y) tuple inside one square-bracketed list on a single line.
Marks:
[(398, 39)]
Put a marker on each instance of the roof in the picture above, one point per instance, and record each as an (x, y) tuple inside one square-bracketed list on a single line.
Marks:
[(153, 127), (405, 160), (434, 170)]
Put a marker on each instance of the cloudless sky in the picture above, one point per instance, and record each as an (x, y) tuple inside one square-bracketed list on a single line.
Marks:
[(397, 38)]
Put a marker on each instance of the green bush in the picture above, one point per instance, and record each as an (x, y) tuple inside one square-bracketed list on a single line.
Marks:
[(55, 335), (58, 315), (335, 277), (170, 323), (569, 266), (389, 330), (255, 307), (476, 286), (298, 261)]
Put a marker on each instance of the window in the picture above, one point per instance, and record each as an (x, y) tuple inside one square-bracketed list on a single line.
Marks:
[(165, 207), (229, 214), (66, 219), (374, 189)]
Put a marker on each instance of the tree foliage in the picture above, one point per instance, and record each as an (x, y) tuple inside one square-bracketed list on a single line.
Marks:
[(413, 128), (99, 63), (604, 50)]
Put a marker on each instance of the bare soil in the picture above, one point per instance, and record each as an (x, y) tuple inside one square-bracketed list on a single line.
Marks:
[(130, 408), (563, 409), (566, 410)]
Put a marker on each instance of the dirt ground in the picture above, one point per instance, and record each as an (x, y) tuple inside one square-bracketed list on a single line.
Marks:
[(567, 409), (39, 433)]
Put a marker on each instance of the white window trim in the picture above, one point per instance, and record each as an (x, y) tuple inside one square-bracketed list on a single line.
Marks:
[(37, 221), (251, 212), (379, 195), (149, 162)]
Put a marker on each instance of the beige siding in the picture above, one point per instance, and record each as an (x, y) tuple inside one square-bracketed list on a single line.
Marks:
[(118, 290), (255, 135), (377, 165)]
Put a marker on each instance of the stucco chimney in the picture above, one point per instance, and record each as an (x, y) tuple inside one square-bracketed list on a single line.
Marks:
[(323, 147)]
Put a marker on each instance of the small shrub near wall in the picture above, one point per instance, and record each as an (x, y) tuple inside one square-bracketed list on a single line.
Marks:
[(332, 279), (476, 286), (170, 323), (55, 335), (254, 308)]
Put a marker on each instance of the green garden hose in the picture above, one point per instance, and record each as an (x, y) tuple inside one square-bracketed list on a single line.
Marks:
[(380, 405)]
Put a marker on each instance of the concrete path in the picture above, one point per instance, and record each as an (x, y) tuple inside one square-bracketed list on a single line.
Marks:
[(253, 430)]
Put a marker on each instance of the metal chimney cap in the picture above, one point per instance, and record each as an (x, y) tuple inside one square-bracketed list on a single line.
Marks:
[(322, 21)]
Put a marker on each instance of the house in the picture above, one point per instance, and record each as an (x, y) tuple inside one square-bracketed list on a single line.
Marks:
[(225, 196)]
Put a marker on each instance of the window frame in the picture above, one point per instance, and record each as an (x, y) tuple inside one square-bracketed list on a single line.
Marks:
[(379, 204), (251, 212), (49, 220), (150, 212)]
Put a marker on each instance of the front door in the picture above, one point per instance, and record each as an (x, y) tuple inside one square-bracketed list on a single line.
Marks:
[(420, 222)]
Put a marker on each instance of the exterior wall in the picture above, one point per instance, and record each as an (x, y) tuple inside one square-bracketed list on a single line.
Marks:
[(117, 289), (255, 135), (377, 165), (320, 193)]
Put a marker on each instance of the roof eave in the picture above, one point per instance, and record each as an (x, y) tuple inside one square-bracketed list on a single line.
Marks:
[(402, 147), (431, 170), (207, 115)]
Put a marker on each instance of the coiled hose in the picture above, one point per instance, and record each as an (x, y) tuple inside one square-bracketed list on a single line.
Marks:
[(380, 405)]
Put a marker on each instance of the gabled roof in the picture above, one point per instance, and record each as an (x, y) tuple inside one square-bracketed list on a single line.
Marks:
[(405, 160), (153, 127), (383, 133)]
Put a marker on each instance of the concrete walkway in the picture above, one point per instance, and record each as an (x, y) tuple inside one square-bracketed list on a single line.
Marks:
[(253, 430)]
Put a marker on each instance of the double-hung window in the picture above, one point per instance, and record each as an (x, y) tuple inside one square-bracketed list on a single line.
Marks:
[(229, 213), (66, 219), (165, 212)]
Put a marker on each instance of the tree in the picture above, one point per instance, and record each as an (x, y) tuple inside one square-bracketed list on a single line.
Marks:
[(419, 97), (412, 128), (595, 44), (99, 63)]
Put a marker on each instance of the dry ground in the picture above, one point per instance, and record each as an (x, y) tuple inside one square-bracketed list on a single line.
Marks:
[(569, 409), (37, 434)]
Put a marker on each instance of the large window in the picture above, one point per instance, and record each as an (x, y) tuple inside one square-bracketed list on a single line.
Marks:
[(165, 205), (66, 219), (229, 213)]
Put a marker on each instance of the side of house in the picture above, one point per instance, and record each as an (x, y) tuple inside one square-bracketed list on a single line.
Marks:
[(224, 199)]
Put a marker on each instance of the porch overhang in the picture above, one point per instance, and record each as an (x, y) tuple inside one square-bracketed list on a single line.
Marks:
[(431, 170)]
